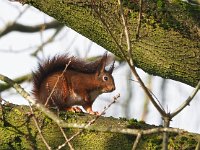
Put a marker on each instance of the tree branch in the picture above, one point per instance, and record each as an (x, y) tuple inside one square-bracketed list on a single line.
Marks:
[(80, 125), (186, 102), (30, 29), (18, 80)]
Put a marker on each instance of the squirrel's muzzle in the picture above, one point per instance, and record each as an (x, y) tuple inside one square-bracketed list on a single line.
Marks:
[(113, 88)]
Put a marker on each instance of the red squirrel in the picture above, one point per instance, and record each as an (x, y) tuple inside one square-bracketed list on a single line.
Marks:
[(65, 81)]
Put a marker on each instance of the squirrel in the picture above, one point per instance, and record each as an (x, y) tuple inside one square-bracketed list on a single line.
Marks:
[(65, 81)]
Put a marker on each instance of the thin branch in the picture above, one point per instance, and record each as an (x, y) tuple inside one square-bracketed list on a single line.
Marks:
[(109, 31), (136, 141), (166, 120), (47, 41), (30, 29), (48, 98), (187, 101), (153, 95), (38, 128), (9, 25), (139, 20), (66, 139), (18, 80), (123, 130), (17, 51), (126, 33), (132, 66), (21, 13), (105, 109)]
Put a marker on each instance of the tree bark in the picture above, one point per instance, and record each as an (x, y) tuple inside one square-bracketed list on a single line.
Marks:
[(168, 44), (18, 131)]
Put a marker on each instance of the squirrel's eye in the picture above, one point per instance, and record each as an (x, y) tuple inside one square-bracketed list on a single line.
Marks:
[(105, 78)]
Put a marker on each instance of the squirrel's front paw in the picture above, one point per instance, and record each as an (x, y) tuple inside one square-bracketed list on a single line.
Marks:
[(94, 113), (74, 109), (90, 111)]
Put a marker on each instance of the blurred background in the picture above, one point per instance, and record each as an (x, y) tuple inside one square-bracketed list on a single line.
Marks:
[(25, 40)]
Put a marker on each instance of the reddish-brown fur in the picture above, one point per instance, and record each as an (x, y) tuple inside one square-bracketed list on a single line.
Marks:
[(79, 84)]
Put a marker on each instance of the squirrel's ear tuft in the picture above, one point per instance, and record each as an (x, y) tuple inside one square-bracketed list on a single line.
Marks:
[(112, 67), (102, 64), (110, 58)]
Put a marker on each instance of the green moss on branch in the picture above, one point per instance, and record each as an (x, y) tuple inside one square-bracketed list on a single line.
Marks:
[(17, 131)]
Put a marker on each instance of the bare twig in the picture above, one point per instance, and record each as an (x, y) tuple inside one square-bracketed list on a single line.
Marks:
[(153, 95), (132, 66), (50, 39), (139, 20), (123, 130), (126, 32), (166, 120), (18, 80), (22, 50), (57, 83), (104, 110), (30, 29), (169, 116), (187, 101), (9, 25), (136, 141), (38, 128), (21, 13), (66, 139)]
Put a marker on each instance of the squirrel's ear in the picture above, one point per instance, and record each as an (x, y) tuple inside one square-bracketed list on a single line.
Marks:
[(102, 64), (111, 67)]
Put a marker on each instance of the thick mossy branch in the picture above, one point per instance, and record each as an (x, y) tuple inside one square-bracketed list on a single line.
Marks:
[(18, 131), (168, 44)]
